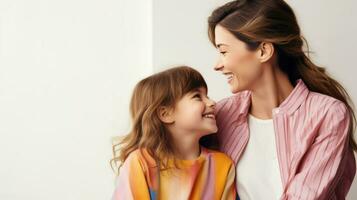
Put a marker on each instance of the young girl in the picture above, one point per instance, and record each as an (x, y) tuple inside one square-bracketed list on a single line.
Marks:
[(162, 158)]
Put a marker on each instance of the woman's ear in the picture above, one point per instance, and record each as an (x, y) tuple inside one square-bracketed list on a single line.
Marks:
[(266, 51), (166, 115)]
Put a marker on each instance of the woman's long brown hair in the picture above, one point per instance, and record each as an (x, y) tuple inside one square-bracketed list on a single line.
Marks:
[(148, 131), (256, 21)]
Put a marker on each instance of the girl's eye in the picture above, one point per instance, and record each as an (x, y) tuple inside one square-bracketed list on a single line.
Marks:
[(197, 96)]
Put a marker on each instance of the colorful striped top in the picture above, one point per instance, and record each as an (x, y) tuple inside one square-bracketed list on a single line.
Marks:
[(312, 141), (209, 177)]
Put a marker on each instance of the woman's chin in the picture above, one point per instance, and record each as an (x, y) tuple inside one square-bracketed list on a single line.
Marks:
[(234, 86), (235, 89)]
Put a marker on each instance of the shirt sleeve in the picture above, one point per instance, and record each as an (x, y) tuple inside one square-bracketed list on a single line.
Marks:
[(131, 183), (324, 163)]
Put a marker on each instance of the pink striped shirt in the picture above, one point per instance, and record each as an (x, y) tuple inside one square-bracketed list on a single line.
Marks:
[(311, 132)]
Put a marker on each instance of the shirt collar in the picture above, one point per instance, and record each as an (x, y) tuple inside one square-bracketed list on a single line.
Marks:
[(289, 105), (295, 98)]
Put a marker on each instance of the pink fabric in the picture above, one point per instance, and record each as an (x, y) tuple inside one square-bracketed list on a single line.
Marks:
[(311, 132)]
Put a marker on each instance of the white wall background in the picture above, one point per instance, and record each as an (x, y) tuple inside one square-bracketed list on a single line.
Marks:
[(67, 69), (180, 38)]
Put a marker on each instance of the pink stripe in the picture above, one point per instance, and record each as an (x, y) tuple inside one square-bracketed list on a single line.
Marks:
[(311, 137)]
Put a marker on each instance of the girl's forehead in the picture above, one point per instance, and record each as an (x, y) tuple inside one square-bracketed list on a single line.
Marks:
[(200, 89)]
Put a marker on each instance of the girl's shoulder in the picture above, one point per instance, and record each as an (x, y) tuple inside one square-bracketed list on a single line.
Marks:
[(219, 157), (219, 160), (141, 157)]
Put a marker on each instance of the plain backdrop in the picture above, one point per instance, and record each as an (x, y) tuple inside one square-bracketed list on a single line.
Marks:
[(67, 69)]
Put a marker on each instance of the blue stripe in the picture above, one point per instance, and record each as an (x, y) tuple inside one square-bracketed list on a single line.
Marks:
[(153, 195)]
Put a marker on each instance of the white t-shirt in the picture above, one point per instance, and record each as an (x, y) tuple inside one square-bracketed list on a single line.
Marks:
[(258, 175)]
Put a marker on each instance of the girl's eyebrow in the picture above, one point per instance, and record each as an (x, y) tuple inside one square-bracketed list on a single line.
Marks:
[(195, 90), (201, 89)]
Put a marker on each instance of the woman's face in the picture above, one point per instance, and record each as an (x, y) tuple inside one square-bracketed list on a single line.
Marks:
[(241, 66)]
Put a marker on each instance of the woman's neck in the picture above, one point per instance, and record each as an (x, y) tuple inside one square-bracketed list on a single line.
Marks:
[(269, 92)]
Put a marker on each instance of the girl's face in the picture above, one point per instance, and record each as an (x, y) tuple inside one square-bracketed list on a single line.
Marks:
[(241, 66), (194, 113)]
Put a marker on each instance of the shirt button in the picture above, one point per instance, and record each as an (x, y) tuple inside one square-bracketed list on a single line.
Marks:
[(277, 111)]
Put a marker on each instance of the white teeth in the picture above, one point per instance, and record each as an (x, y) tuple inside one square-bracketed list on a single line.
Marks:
[(209, 116), (229, 76)]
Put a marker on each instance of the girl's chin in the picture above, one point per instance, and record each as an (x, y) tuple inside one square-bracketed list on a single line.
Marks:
[(213, 130), (210, 131)]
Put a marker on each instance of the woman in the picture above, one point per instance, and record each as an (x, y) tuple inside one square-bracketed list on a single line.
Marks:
[(289, 126)]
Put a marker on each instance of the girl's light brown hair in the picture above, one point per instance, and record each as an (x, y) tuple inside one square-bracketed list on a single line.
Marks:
[(256, 21), (148, 131)]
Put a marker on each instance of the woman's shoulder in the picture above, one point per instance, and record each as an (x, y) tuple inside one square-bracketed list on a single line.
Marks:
[(240, 96), (324, 103), (238, 101)]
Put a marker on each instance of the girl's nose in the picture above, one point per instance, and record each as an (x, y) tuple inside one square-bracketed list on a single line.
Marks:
[(211, 103)]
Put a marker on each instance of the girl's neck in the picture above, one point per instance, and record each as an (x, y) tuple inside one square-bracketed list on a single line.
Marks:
[(186, 146), (269, 92), (188, 152)]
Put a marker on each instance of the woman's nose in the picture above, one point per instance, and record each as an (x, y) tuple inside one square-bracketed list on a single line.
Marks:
[(219, 65)]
